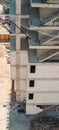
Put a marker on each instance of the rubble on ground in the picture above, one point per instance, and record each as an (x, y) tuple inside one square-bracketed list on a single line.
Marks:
[(45, 123)]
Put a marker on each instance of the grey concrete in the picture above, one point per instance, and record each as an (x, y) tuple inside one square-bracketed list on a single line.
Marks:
[(12, 120), (18, 121)]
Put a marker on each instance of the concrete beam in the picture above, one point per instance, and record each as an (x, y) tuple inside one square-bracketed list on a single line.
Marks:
[(44, 47), (44, 5), (44, 27)]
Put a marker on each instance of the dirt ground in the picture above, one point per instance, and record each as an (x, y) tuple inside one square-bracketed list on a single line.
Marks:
[(5, 87), (5, 82)]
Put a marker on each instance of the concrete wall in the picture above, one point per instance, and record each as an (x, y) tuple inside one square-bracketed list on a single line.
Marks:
[(44, 99), (31, 110), (44, 71), (46, 76), (46, 87)]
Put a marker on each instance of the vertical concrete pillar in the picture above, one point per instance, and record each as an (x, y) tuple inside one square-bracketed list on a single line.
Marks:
[(18, 22)]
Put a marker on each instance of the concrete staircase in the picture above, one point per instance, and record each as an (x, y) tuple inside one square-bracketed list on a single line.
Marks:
[(50, 18), (48, 55), (47, 39), (34, 21), (53, 1)]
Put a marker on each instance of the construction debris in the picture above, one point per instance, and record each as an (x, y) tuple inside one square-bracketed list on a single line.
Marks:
[(45, 123)]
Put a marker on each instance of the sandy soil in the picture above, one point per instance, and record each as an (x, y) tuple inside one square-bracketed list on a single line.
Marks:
[(5, 83), (5, 87)]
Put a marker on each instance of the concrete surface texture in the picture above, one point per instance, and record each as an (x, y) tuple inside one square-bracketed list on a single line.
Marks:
[(1, 8), (10, 119)]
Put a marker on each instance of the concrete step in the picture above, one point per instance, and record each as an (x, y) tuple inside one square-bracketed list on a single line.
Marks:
[(47, 39), (50, 18), (48, 55)]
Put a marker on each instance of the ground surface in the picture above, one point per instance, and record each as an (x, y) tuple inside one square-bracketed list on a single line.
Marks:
[(5, 87), (10, 119)]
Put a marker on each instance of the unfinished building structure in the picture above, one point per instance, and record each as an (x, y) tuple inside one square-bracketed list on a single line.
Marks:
[(35, 52)]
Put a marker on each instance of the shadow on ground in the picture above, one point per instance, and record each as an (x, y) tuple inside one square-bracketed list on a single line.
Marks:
[(17, 121)]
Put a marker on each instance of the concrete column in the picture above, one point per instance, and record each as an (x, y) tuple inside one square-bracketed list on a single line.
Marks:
[(18, 22)]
